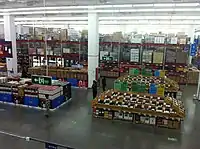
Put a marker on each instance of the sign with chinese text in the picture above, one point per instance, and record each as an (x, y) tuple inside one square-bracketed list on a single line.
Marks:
[(42, 80)]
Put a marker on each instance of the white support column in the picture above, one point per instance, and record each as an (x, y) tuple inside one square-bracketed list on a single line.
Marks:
[(10, 35), (93, 46)]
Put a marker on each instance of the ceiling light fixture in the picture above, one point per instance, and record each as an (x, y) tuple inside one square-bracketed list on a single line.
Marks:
[(104, 6)]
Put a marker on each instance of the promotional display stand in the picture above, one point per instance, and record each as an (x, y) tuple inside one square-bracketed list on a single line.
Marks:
[(142, 98)]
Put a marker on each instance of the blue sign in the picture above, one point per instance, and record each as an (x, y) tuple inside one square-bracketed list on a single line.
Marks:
[(196, 41), (193, 49), (50, 146)]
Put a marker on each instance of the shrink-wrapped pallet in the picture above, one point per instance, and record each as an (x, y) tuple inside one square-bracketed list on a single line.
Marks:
[(157, 57), (181, 57), (170, 56), (147, 56)]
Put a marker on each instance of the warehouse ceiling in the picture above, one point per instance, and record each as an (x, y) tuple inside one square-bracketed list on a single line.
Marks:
[(136, 11), (39, 3)]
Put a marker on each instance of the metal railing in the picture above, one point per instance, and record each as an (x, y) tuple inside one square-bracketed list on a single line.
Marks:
[(47, 144)]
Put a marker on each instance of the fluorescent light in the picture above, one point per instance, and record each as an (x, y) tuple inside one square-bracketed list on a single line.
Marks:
[(102, 6), (67, 7), (53, 22), (51, 18), (187, 4), (164, 5), (108, 11), (143, 5)]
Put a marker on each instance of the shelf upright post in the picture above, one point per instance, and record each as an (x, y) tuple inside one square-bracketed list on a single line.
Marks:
[(79, 51), (10, 35), (119, 52), (45, 41), (198, 87), (140, 52), (164, 55)]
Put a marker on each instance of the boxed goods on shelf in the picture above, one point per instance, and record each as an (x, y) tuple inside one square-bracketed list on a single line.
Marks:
[(193, 76), (71, 74), (134, 55), (158, 57), (170, 56), (147, 56), (139, 108), (144, 84), (181, 57)]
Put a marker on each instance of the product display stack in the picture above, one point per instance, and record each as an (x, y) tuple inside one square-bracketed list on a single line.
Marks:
[(139, 108), (29, 93), (142, 98)]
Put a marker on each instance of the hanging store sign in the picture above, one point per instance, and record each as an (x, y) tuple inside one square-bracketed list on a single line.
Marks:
[(42, 80), (5, 49), (193, 49)]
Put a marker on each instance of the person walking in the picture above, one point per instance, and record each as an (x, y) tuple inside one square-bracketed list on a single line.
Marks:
[(94, 89), (104, 83)]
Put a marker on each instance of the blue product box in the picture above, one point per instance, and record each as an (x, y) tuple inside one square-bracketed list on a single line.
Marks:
[(31, 101)]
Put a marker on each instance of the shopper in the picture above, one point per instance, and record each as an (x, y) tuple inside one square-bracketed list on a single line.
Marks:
[(94, 89), (104, 83)]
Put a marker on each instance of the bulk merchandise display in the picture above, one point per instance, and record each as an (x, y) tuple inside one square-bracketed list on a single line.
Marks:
[(139, 108), (22, 92)]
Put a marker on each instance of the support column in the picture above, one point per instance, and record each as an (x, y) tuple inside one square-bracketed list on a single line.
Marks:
[(93, 47), (10, 35)]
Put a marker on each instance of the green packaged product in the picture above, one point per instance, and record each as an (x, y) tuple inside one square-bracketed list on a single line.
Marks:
[(117, 85), (134, 71)]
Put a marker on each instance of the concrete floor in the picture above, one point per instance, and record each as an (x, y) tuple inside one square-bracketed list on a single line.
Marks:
[(74, 126)]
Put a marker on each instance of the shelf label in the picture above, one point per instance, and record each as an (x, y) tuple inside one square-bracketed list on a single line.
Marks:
[(42, 80)]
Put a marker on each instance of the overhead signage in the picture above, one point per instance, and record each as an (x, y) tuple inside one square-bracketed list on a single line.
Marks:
[(50, 146), (5, 49), (193, 49), (42, 80)]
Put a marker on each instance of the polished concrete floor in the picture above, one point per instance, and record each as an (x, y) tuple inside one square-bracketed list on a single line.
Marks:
[(74, 126)]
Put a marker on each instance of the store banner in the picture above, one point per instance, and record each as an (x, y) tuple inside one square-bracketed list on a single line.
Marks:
[(5, 49), (193, 49)]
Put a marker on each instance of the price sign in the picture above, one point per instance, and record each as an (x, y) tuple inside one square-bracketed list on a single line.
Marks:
[(42, 80)]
